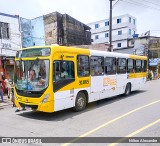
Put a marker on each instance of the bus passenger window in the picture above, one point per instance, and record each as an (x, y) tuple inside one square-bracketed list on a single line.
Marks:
[(83, 65), (110, 65), (121, 65), (97, 65), (130, 66), (138, 66), (144, 65), (63, 70)]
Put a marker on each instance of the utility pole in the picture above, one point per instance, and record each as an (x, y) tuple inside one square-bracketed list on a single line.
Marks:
[(110, 27), (1, 39)]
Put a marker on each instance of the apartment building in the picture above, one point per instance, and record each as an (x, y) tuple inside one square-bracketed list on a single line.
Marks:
[(123, 28)]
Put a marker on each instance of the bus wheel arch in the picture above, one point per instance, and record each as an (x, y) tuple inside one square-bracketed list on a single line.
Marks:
[(81, 100), (128, 89)]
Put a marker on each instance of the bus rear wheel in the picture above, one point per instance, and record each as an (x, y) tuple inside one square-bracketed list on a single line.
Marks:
[(128, 89), (81, 102)]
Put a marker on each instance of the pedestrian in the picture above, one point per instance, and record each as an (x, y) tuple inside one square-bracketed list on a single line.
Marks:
[(1, 92), (8, 87), (19, 109), (12, 97), (152, 75)]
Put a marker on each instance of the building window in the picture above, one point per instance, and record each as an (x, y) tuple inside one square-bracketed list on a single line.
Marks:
[(106, 35), (107, 23), (97, 65), (83, 65), (96, 26), (119, 45), (120, 32), (96, 37), (129, 31), (134, 21), (4, 30), (130, 19), (121, 65), (134, 32), (110, 65), (119, 20)]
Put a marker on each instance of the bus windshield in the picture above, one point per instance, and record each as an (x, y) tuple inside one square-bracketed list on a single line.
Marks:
[(33, 52), (31, 75)]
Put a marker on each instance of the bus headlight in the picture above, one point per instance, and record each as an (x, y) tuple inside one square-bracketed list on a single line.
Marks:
[(45, 98)]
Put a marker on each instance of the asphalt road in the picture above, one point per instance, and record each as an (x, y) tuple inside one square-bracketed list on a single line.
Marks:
[(137, 115)]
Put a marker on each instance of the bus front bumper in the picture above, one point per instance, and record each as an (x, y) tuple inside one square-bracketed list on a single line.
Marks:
[(43, 107)]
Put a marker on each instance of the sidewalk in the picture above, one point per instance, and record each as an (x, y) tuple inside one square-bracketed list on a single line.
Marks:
[(6, 102)]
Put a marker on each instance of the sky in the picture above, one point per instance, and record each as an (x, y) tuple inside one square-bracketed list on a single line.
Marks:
[(147, 12)]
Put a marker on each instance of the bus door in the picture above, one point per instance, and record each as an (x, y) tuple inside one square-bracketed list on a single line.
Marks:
[(131, 72), (109, 80), (97, 75), (138, 74), (121, 75), (83, 73), (64, 82)]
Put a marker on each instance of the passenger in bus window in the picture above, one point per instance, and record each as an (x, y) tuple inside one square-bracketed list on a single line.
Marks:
[(41, 81), (57, 74), (42, 71), (32, 75), (64, 73)]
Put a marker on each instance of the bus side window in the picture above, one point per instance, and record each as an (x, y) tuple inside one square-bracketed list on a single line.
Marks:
[(121, 66), (97, 65), (138, 65), (83, 68), (56, 71), (130, 66), (144, 65), (110, 65)]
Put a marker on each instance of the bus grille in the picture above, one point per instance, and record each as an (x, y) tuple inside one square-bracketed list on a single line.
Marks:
[(26, 105)]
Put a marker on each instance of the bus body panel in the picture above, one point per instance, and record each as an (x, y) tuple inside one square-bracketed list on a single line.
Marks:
[(95, 87)]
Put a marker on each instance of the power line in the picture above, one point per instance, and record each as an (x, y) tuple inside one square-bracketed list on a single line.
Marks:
[(140, 4), (116, 3), (152, 2)]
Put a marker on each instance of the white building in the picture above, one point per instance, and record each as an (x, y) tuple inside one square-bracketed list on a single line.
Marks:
[(10, 36), (123, 27)]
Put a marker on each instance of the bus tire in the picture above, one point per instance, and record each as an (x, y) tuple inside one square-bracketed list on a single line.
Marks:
[(128, 89), (81, 102)]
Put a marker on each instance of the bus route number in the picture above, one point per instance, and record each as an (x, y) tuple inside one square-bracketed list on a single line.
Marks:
[(82, 82)]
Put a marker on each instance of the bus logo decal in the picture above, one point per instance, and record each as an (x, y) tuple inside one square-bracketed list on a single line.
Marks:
[(108, 81), (82, 82)]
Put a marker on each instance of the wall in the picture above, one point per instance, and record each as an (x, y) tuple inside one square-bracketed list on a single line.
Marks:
[(10, 46), (75, 32), (26, 32), (37, 28), (52, 25)]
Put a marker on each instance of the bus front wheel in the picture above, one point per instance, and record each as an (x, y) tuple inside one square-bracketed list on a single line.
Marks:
[(81, 102), (128, 89)]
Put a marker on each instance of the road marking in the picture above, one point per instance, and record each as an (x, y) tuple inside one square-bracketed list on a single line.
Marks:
[(135, 132), (110, 122)]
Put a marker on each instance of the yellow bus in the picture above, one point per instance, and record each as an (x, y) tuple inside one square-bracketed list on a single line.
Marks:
[(53, 78)]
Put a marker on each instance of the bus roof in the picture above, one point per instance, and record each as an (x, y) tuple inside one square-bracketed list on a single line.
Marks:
[(67, 49)]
